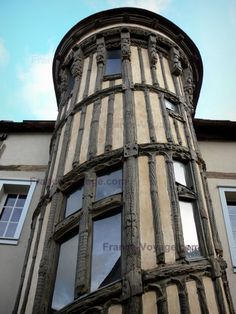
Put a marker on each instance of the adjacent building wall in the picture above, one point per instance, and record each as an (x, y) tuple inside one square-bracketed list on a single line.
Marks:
[(221, 172), (24, 156)]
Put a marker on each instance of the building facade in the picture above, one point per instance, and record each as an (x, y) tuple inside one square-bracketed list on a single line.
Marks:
[(125, 222)]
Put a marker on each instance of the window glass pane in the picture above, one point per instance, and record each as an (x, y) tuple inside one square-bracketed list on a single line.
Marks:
[(106, 251), (2, 228), (16, 214), (180, 172), (189, 229), (21, 201), (109, 184), (74, 201), (6, 213), (170, 105), (232, 218), (11, 229), (65, 277), (113, 62), (11, 200)]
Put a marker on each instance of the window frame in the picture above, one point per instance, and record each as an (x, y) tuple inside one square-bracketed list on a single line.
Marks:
[(15, 184), (174, 103), (229, 232), (187, 194), (96, 210), (116, 75)]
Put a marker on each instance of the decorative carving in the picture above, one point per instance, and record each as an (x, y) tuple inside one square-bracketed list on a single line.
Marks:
[(101, 51), (64, 80), (176, 67), (152, 51), (188, 84), (130, 150), (77, 65), (125, 45)]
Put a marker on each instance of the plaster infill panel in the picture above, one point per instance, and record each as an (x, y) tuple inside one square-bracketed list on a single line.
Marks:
[(193, 297), (93, 76), (102, 127), (165, 209), (173, 299), (146, 64), (83, 80), (72, 143), (115, 309), (149, 302), (157, 118), (141, 118), (210, 295), (148, 256), (118, 122), (168, 75), (86, 133), (136, 74)]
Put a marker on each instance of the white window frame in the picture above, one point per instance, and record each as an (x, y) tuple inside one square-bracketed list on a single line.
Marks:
[(16, 183), (229, 231)]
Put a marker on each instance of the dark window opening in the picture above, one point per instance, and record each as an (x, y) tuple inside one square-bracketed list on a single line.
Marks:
[(113, 62), (74, 201), (109, 184), (106, 251)]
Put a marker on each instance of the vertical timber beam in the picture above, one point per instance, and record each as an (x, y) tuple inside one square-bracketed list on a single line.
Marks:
[(131, 260)]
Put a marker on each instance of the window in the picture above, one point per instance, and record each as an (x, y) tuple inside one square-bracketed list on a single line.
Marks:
[(88, 205), (189, 229), (228, 200), (74, 201), (181, 173), (113, 62), (109, 184), (66, 273), (187, 204), (15, 198), (106, 255), (170, 105)]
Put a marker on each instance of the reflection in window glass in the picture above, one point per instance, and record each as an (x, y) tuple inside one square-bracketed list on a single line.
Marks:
[(113, 62), (65, 277), (180, 173), (232, 217), (11, 214), (74, 201), (189, 230), (170, 105), (106, 251), (109, 184)]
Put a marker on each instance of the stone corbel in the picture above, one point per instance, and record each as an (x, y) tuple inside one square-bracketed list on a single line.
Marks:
[(152, 51), (176, 67), (101, 51), (125, 45), (77, 65), (188, 84)]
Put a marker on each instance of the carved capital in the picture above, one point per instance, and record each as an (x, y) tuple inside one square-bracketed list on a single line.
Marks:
[(101, 50), (125, 45), (188, 84), (176, 67), (77, 65), (64, 80), (152, 50)]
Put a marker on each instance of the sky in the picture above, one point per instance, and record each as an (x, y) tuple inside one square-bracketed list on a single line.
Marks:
[(30, 31)]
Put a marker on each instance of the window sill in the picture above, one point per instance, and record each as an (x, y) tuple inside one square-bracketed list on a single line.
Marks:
[(87, 299), (112, 77), (9, 242)]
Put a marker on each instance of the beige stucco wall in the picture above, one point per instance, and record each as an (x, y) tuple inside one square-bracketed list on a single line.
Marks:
[(21, 149), (220, 161), (26, 149)]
